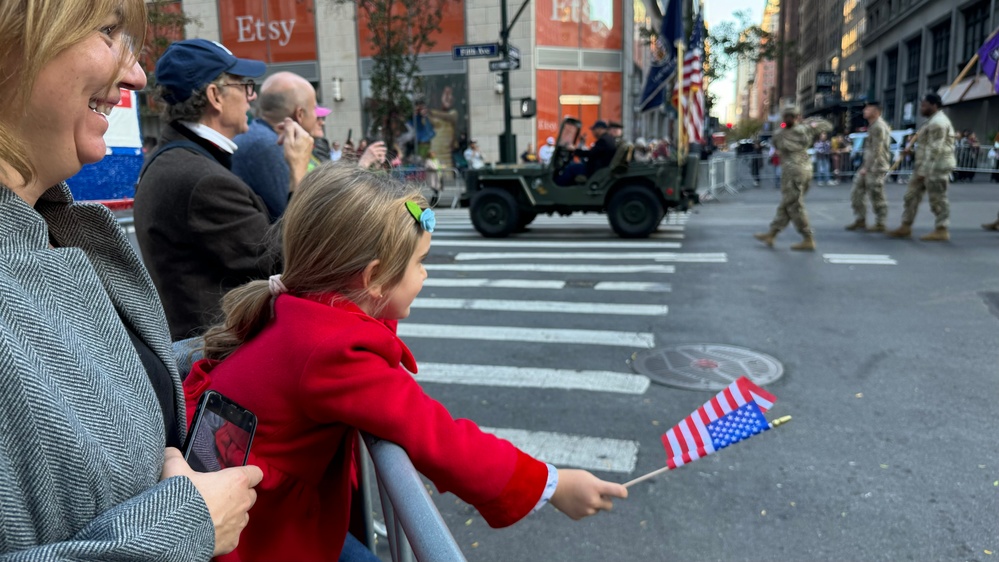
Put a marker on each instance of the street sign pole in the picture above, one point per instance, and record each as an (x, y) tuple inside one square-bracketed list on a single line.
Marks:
[(506, 150)]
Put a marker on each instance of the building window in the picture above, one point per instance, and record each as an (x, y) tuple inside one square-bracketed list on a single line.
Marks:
[(915, 51), (941, 46), (889, 105), (976, 20), (891, 68)]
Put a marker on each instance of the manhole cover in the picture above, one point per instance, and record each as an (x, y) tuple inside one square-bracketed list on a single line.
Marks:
[(706, 366)]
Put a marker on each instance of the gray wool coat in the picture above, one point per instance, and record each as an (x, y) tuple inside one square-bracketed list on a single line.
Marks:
[(81, 430)]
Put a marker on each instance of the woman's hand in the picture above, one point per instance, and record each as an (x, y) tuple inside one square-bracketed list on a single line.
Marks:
[(228, 493), (580, 494), (374, 154)]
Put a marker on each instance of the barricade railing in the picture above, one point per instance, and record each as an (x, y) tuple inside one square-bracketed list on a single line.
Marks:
[(450, 180), (413, 526)]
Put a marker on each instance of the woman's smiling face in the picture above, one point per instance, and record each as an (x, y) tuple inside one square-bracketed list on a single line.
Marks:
[(66, 117)]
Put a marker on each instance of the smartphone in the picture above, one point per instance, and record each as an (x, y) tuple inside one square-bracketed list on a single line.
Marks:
[(220, 435)]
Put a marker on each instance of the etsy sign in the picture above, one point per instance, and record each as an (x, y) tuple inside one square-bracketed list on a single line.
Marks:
[(269, 30)]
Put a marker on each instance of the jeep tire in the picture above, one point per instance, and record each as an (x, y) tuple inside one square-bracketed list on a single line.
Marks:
[(494, 213), (634, 212)]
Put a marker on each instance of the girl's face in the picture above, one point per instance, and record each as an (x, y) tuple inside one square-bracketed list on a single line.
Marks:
[(400, 297), (66, 119)]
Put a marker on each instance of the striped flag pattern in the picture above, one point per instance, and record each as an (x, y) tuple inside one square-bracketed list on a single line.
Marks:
[(736, 413), (693, 86)]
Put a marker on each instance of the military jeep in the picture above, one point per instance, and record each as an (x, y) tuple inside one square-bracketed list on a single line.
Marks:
[(635, 196)]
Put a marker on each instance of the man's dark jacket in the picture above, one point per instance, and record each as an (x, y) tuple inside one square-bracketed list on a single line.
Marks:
[(600, 155), (201, 229)]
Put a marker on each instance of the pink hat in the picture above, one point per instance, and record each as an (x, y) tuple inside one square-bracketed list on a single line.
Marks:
[(322, 111)]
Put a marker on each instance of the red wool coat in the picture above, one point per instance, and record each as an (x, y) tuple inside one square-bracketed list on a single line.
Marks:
[(315, 375)]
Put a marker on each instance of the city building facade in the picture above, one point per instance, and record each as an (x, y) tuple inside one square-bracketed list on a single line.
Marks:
[(579, 58)]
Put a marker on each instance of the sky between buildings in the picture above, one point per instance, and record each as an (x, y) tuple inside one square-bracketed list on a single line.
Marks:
[(716, 12)]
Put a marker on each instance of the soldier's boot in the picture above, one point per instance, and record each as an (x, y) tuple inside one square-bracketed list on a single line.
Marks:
[(904, 231), (939, 234), (991, 225), (767, 237), (859, 224), (806, 245), (877, 227)]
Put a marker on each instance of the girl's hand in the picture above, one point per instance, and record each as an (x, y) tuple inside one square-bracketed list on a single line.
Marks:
[(228, 493), (580, 494)]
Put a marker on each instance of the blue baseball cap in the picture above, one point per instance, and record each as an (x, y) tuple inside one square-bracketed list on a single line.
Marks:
[(189, 65), (600, 124)]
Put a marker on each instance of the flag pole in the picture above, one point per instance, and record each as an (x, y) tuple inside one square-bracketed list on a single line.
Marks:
[(776, 423), (681, 153)]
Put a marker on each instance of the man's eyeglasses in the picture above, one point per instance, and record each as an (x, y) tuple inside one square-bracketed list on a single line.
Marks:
[(249, 87)]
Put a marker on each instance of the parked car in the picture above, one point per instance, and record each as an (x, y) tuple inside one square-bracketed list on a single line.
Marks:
[(898, 140)]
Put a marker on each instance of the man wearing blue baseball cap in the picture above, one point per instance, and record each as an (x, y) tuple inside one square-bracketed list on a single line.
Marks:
[(201, 229)]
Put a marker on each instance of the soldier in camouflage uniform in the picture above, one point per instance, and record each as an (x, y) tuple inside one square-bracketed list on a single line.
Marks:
[(870, 178), (934, 162), (792, 144)]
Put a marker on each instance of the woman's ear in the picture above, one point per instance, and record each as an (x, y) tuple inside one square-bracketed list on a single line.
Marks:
[(373, 291)]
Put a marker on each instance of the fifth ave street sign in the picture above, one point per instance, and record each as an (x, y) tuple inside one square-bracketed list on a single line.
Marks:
[(484, 50)]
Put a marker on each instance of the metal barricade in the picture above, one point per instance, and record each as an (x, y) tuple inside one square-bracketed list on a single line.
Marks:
[(413, 525), (450, 180)]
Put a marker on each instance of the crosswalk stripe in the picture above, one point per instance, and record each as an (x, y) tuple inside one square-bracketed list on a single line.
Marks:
[(474, 256), (552, 268), (519, 243), (493, 283), (718, 257), (527, 377), (666, 233), (547, 307), (561, 449), (633, 286), (859, 259), (532, 335)]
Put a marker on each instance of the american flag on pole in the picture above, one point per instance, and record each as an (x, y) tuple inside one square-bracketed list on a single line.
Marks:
[(736, 413), (693, 84)]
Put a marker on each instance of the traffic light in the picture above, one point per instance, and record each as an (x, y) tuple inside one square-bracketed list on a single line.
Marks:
[(528, 107), (729, 125), (783, 125)]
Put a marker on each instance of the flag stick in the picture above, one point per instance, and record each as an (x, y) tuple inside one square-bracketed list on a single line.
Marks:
[(776, 423), (681, 152)]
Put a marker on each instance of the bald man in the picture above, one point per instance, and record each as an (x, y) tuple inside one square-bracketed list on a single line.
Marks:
[(260, 160)]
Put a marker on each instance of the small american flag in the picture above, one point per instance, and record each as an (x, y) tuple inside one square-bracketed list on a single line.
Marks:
[(736, 413)]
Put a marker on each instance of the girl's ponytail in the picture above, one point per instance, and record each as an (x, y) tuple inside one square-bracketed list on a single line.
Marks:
[(247, 310)]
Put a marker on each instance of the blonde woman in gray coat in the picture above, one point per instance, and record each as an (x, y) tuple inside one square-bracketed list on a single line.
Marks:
[(90, 400)]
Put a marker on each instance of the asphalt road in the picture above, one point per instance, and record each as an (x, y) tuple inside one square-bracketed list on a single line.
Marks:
[(891, 376)]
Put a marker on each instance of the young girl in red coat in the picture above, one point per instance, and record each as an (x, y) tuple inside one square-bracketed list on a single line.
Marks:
[(314, 355)]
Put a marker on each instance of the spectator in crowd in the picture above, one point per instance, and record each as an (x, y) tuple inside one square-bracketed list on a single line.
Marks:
[(994, 157), (934, 163), (355, 244), (615, 130), (596, 158), (433, 167), (92, 396), (261, 161), (200, 227), (823, 159), (473, 157), (641, 153), (336, 152), (528, 156), (321, 150), (545, 152)]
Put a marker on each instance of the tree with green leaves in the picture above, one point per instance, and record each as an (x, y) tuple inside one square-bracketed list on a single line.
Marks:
[(400, 31), (742, 41), (166, 24)]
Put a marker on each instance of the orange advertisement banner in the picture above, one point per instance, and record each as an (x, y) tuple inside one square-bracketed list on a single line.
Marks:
[(452, 29), (271, 31), (581, 24)]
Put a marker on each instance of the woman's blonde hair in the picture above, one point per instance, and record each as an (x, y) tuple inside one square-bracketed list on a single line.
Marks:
[(32, 33), (340, 219)]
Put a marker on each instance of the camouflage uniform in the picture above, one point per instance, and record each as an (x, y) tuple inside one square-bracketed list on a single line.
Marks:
[(934, 162), (877, 155), (792, 144)]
